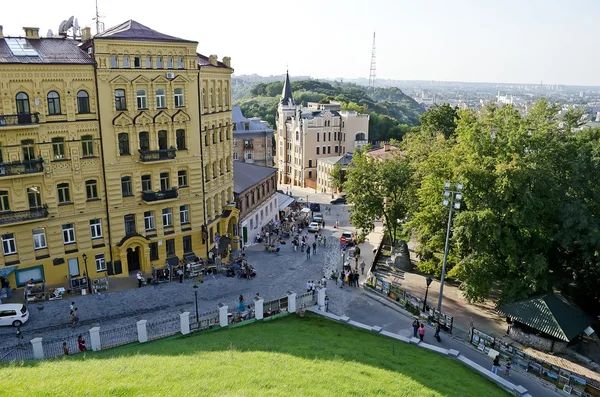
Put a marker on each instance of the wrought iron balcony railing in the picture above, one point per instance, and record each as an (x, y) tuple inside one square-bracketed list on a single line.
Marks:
[(161, 195), (23, 216), (157, 155), (22, 167), (19, 119)]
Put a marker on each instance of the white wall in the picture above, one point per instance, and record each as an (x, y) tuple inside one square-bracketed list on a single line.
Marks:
[(254, 221)]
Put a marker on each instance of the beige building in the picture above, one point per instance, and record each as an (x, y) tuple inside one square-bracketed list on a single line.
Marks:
[(252, 139), (325, 166), (307, 134)]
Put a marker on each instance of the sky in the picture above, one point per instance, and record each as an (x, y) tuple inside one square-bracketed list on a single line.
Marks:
[(509, 41)]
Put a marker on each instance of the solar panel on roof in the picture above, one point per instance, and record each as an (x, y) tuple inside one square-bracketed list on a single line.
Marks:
[(20, 47)]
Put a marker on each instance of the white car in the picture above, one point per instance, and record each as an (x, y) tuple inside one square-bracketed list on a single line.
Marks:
[(313, 227), (14, 314), (318, 218)]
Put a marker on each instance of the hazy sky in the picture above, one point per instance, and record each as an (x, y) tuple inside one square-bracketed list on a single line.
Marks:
[(523, 41)]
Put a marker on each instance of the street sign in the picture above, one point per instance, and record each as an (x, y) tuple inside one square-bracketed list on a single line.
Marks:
[(343, 246), (342, 239)]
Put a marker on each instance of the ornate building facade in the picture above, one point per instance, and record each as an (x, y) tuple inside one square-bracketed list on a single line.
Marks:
[(116, 149)]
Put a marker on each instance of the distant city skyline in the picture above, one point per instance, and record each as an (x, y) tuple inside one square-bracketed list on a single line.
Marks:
[(513, 41)]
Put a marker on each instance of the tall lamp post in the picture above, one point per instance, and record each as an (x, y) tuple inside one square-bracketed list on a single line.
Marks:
[(452, 199), (196, 296), (428, 281), (87, 274)]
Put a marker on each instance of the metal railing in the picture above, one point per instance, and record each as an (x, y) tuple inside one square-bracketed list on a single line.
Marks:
[(205, 320), (23, 216), (54, 348), (17, 353), (306, 299), (21, 167), (157, 155), (164, 328), (160, 195), (19, 119), (118, 336)]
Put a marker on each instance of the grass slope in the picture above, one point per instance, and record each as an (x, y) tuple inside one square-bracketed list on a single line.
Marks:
[(291, 356)]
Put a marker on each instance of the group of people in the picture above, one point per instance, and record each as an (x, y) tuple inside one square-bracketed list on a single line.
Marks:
[(350, 278), (419, 330), (496, 365), (74, 315), (80, 345)]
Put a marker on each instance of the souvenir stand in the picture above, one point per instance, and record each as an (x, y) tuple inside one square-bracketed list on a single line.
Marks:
[(163, 275), (193, 265), (54, 294), (99, 285), (37, 293)]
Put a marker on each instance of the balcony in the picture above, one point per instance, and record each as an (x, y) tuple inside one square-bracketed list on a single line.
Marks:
[(22, 167), (29, 215), (151, 197), (248, 146), (11, 120), (157, 155)]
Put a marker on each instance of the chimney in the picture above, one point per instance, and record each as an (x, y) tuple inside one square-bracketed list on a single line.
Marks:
[(32, 33), (86, 34), (227, 61), (212, 60), (386, 147), (1, 34)]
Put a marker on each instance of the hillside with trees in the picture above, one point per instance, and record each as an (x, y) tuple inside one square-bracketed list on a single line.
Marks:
[(392, 112)]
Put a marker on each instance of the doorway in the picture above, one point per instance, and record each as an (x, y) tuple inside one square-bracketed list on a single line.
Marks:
[(133, 259)]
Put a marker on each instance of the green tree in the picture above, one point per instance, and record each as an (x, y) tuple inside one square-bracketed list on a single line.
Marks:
[(337, 176), (440, 119), (379, 188)]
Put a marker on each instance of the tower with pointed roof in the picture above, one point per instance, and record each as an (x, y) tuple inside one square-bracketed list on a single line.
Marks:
[(286, 109)]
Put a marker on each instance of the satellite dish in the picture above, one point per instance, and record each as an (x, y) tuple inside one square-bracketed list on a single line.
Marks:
[(76, 25), (50, 33), (69, 23), (61, 27)]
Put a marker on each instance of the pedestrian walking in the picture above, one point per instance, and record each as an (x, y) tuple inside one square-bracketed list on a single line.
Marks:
[(438, 328), (72, 307), (314, 248), (74, 318), (415, 326), (81, 343), (180, 274), (140, 279), (65, 349), (308, 252), (323, 282), (355, 262), (334, 276), (19, 336), (308, 286), (507, 367), (496, 365), (422, 332), (342, 275), (240, 304), (362, 267)]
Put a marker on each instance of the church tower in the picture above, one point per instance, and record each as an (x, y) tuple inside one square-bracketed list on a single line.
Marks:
[(285, 112)]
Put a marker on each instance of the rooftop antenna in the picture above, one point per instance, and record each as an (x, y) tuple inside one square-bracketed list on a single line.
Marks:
[(99, 24), (372, 73)]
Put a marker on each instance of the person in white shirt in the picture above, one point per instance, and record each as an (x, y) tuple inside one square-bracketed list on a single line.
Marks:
[(140, 279), (308, 286)]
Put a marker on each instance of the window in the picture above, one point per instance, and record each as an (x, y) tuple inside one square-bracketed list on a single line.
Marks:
[(170, 247), (169, 63), (187, 244), (148, 62), (68, 231), (100, 262), (137, 63), (64, 196), (39, 239), (87, 145), (141, 100), (204, 103), (126, 186), (58, 148), (182, 178), (9, 246), (310, 174), (180, 63), (235, 156), (206, 173), (178, 97), (159, 63), (309, 163), (165, 183), (91, 189), (22, 103), (95, 228), (53, 103), (180, 139), (336, 147), (149, 220), (225, 94), (324, 149), (4, 203), (184, 214), (114, 61), (214, 170), (248, 155), (126, 61), (146, 183), (162, 140), (317, 150), (167, 217), (34, 197), (129, 224), (212, 98), (124, 144), (144, 141), (153, 251), (328, 149), (318, 136), (161, 99), (218, 97), (28, 150), (83, 102), (120, 100)]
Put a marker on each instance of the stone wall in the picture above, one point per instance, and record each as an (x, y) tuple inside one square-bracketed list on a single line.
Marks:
[(537, 342)]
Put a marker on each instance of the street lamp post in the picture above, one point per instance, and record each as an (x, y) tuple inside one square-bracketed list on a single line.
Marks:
[(452, 199), (428, 281), (196, 296), (87, 274)]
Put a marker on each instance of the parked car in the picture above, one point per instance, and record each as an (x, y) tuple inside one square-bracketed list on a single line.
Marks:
[(350, 240), (314, 227), (14, 314), (315, 207), (318, 218), (339, 200)]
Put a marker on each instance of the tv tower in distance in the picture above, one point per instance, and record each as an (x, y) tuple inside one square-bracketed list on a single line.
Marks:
[(372, 74)]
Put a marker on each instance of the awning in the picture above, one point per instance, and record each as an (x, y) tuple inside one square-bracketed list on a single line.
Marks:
[(226, 214), (305, 210), (172, 260), (190, 256), (284, 201), (5, 271)]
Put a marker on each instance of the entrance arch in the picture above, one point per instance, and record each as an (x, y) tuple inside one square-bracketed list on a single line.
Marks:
[(134, 253), (133, 259)]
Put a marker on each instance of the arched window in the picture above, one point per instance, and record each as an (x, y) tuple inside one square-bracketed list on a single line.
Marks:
[(22, 103), (162, 140), (124, 144), (218, 97), (360, 136), (144, 141), (226, 97), (83, 102), (204, 103), (53, 103), (212, 98)]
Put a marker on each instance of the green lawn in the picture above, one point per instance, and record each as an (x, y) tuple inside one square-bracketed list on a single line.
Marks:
[(290, 356)]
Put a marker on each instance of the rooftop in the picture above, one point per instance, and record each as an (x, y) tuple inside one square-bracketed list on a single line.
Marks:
[(341, 160), (133, 30), (384, 151), (241, 122), (246, 175), (43, 50), (203, 60)]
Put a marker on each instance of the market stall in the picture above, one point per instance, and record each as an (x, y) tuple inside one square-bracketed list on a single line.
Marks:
[(99, 285), (37, 293)]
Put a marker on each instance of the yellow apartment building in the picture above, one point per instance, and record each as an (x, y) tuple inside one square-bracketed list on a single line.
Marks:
[(131, 158)]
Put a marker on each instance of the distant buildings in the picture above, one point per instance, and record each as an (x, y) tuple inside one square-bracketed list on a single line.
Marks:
[(252, 139), (307, 134), (325, 166)]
